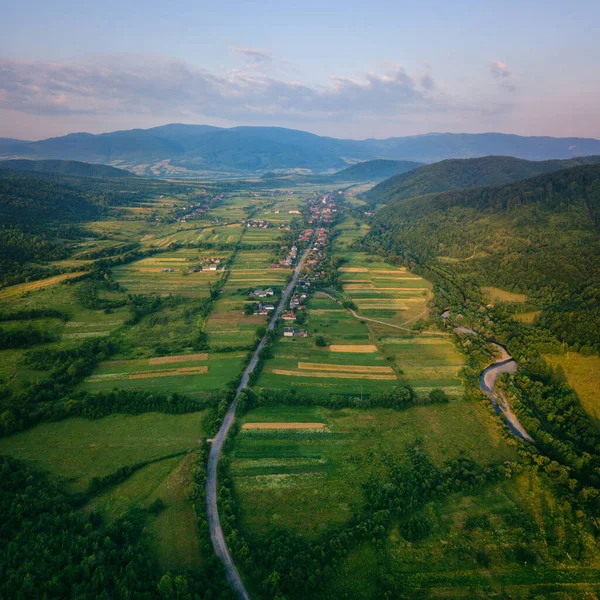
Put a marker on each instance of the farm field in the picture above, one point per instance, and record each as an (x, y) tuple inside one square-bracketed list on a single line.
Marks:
[(191, 375), (583, 375), (250, 270), (168, 273), (15, 291), (381, 291), (309, 480), (78, 449), (349, 364), (427, 362)]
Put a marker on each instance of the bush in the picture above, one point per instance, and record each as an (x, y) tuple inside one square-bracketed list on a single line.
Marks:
[(320, 341), (438, 396)]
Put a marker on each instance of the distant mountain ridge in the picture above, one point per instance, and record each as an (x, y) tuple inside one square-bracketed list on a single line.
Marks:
[(374, 170), (192, 150), (456, 174), (65, 167)]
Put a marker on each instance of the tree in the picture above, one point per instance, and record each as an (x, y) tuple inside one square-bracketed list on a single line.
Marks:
[(320, 341)]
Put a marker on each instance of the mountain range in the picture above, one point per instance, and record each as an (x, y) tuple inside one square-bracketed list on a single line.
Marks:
[(196, 150), (456, 174)]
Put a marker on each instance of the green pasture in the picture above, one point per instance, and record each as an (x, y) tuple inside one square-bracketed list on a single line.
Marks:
[(307, 481), (78, 449)]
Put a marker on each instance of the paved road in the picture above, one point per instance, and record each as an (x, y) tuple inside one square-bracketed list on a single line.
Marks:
[(216, 532)]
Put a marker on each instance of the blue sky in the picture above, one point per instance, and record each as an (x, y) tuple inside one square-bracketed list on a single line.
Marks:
[(347, 69)]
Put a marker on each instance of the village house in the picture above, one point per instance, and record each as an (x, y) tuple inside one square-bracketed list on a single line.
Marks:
[(288, 332), (288, 316)]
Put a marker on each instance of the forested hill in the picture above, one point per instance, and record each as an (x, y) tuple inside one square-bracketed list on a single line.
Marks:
[(457, 174), (374, 170), (539, 237), (35, 199), (65, 167)]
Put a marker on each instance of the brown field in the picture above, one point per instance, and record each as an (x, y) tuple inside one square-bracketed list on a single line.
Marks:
[(171, 373), (336, 375), (350, 368), (283, 426), (172, 259), (161, 360), (16, 290), (358, 348), (358, 286), (353, 270)]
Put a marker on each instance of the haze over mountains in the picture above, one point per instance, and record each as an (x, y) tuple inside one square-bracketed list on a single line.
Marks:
[(188, 150)]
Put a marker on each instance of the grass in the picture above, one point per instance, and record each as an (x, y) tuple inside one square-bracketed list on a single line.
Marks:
[(14, 291), (583, 375), (218, 369), (498, 295), (308, 481), (78, 449)]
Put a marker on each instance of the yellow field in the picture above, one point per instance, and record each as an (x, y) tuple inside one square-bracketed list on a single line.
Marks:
[(283, 426), (175, 359), (583, 375), (330, 374), (528, 317), (199, 370), (16, 290), (498, 295), (171, 373), (358, 348), (344, 368)]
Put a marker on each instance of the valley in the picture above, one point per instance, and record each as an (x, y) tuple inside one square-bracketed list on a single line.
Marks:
[(302, 361)]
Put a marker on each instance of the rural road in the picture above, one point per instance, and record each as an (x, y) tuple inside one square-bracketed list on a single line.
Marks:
[(214, 524)]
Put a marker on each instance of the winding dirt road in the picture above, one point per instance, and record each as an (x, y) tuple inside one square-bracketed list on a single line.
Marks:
[(214, 524)]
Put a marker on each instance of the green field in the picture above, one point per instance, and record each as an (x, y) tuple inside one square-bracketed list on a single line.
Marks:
[(298, 363), (169, 273), (201, 373), (308, 481), (78, 449)]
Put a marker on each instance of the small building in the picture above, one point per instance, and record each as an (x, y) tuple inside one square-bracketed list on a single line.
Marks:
[(301, 333), (268, 307), (288, 332), (288, 316)]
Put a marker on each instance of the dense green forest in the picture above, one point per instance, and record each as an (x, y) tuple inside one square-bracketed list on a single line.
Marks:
[(538, 237), (65, 167), (455, 174)]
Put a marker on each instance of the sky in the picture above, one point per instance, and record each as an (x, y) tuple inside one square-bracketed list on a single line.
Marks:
[(341, 68)]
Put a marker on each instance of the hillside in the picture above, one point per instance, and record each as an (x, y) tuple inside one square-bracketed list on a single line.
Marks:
[(537, 237), (187, 150), (464, 173), (374, 170), (65, 167)]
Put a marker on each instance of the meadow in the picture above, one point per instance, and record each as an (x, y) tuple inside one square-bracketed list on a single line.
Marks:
[(78, 449), (307, 481), (583, 375)]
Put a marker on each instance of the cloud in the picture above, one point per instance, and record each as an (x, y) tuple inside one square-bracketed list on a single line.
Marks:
[(503, 75), (142, 85), (254, 56), (499, 70)]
